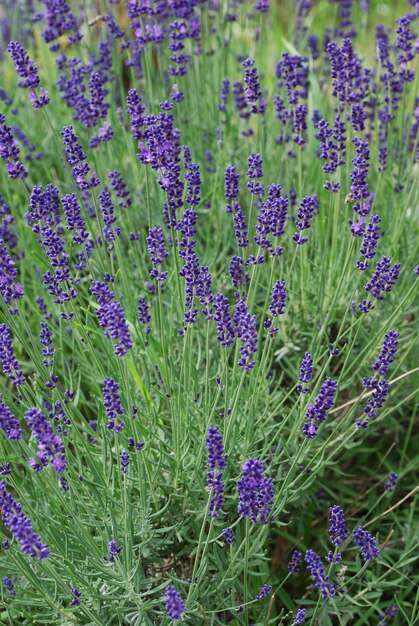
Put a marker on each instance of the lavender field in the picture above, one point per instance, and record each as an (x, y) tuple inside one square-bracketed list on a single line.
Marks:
[(209, 270)]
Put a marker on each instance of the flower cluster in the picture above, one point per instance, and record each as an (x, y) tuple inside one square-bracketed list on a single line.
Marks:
[(387, 354), (111, 317), (216, 462), (8, 360), (391, 482), (158, 253), (9, 288), (9, 424), (20, 526), (112, 403), (277, 307), (76, 159), (295, 562), (318, 574), (245, 328), (308, 209), (255, 492), (50, 445), (306, 372), (9, 151), (175, 606), (338, 531), (113, 550), (367, 543), (317, 411), (383, 280), (253, 91)]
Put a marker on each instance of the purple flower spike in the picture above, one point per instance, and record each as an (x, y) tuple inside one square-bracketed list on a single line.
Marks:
[(255, 492), (317, 411), (240, 226), (295, 562), (306, 372), (225, 90), (228, 535), (216, 461), (318, 574), (8, 360), (76, 596), (50, 445), (75, 221), (277, 307), (383, 279), (379, 394), (387, 353), (111, 401), (113, 550), (39, 100), (308, 208), (175, 606), (253, 91), (124, 461), (8, 584), (262, 6), (25, 68), (338, 531), (9, 151), (110, 232), (300, 617), (264, 592), (245, 326), (367, 543), (144, 316), (370, 241), (20, 526), (255, 171), (391, 482), (9, 289), (8, 422), (231, 183), (111, 318), (225, 329), (120, 188), (158, 253), (75, 158)]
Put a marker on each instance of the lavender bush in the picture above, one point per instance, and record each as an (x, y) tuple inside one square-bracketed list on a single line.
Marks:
[(208, 315)]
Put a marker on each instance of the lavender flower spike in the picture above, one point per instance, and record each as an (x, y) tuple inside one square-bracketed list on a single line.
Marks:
[(277, 307), (8, 422), (20, 526), (318, 574), (217, 461), (317, 410), (295, 562), (245, 325), (300, 617), (367, 543), (9, 151), (113, 550), (387, 353), (8, 360), (306, 372), (111, 401), (308, 208), (50, 445), (111, 318), (255, 492), (338, 531), (391, 482), (175, 606)]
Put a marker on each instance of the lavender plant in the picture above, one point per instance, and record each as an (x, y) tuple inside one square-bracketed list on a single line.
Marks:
[(208, 312)]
